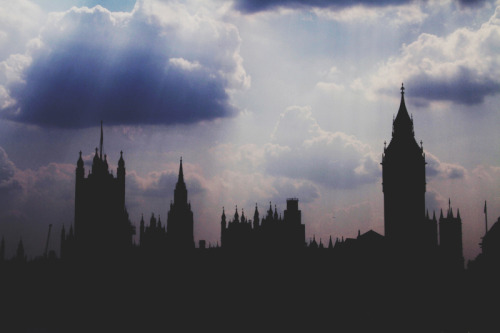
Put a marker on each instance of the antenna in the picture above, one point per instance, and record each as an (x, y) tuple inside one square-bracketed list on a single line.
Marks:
[(485, 217), (47, 243)]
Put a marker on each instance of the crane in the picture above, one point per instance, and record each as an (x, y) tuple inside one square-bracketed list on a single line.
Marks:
[(47, 244)]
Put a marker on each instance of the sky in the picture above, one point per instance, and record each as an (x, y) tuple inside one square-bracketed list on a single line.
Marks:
[(263, 100)]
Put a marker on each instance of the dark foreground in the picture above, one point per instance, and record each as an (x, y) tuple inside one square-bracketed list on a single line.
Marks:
[(210, 291)]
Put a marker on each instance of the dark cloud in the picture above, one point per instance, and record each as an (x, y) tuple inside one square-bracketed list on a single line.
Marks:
[(471, 3), (127, 69), (466, 87), (253, 6)]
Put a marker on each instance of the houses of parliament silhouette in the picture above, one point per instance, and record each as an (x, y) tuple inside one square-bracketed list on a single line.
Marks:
[(263, 270), (102, 228)]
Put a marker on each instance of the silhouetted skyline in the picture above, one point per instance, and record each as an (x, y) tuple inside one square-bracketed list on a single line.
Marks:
[(300, 113)]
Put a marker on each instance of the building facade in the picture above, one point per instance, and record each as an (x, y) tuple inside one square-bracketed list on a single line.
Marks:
[(403, 184), (272, 232), (102, 228)]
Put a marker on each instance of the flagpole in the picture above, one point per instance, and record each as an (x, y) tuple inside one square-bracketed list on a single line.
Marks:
[(486, 217)]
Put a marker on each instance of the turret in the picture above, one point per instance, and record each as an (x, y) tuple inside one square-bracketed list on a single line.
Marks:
[(80, 171), (141, 230), (20, 255), (236, 217), (223, 220), (256, 218)]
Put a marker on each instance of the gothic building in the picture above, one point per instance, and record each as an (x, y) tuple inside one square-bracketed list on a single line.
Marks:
[(408, 229), (403, 184), (101, 227), (180, 217), (450, 240), (152, 237), (271, 233)]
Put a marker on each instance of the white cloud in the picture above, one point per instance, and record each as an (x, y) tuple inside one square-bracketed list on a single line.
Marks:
[(436, 168), (462, 67), (302, 150), (20, 21), (185, 64), (393, 15)]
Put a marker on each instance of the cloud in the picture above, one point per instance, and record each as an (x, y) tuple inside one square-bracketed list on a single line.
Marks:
[(438, 169), (304, 190), (160, 184), (19, 22), (302, 150), (393, 14), (160, 64), (253, 6), (463, 67), (30, 200)]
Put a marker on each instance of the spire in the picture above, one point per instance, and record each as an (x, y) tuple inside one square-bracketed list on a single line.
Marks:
[(181, 173), (79, 163), (236, 216), (102, 141), (121, 162), (330, 243), (450, 211), (403, 124)]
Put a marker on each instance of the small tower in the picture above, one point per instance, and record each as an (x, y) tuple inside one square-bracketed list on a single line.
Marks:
[(450, 240), (180, 217), (256, 218), (141, 231), (223, 227)]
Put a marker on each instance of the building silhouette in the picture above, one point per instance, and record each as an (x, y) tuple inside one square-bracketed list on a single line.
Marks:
[(180, 217), (102, 229), (152, 237), (271, 233), (450, 240), (403, 184), (409, 230)]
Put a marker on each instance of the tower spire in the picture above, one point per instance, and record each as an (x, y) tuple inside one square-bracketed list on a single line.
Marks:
[(181, 173)]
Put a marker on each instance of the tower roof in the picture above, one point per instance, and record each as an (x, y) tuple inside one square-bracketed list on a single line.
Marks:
[(181, 173), (403, 143), (180, 180), (403, 124)]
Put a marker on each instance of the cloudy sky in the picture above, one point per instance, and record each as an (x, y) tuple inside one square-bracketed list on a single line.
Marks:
[(264, 100)]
